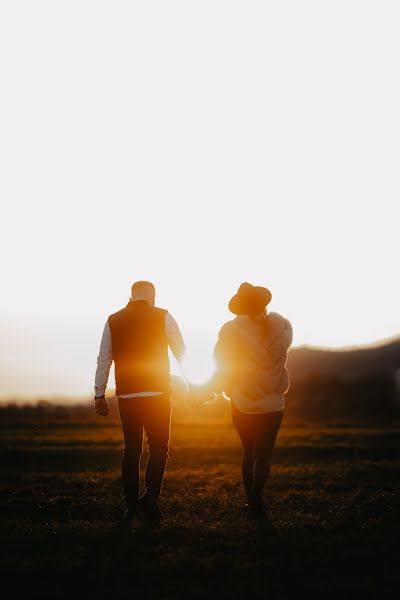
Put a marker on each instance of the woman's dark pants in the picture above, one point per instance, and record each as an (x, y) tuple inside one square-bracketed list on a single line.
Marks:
[(258, 434), (153, 415)]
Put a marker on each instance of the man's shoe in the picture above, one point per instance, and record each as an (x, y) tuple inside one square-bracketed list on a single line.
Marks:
[(151, 511), (126, 521)]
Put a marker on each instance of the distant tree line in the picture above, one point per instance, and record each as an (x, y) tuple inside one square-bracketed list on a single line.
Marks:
[(315, 396), (367, 396)]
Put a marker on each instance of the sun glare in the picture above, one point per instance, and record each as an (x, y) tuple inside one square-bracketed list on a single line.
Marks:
[(197, 370)]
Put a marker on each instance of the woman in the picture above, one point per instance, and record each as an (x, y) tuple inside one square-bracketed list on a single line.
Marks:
[(251, 355)]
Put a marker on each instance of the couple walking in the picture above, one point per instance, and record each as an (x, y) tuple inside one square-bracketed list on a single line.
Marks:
[(250, 353)]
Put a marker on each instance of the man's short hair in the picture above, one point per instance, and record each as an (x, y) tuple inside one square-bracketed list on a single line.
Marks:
[(140, 287)]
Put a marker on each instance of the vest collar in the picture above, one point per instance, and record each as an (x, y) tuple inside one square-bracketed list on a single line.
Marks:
[(134, 303)]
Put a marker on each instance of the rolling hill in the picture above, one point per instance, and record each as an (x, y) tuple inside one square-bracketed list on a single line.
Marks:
[(347, 363)]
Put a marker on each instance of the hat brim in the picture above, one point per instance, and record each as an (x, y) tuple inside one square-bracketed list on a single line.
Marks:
[(252, 302)]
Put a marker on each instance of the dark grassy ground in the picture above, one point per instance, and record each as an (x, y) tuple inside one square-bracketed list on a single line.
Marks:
[(334, 531)]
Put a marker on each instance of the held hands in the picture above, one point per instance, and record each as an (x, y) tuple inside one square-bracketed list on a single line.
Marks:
[(101, 406)]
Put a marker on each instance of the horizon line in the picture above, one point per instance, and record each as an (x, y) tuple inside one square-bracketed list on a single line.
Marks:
[(57, 397)]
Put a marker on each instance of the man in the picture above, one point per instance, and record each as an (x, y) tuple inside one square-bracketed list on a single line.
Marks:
[(136, 338)]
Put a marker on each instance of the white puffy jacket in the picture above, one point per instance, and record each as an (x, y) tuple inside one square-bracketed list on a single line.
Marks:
[(260, 378)]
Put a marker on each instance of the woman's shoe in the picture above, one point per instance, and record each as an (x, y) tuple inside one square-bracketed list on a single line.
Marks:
[(151, 511), (256, 509)]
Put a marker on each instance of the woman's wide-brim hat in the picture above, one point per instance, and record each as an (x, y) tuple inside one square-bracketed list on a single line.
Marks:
[(249, 300)]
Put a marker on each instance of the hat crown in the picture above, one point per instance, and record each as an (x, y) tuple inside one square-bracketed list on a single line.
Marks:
[(249, 299), (246, 288)]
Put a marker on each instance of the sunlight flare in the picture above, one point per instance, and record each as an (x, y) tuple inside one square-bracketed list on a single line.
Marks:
[(197, 370)]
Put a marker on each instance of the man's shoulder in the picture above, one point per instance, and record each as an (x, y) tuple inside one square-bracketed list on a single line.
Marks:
[(117, 314)]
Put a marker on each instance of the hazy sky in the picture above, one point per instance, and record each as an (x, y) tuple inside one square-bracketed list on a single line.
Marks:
[(198, 145)]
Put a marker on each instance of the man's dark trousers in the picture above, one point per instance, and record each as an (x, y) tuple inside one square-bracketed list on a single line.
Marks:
[(153, 414)]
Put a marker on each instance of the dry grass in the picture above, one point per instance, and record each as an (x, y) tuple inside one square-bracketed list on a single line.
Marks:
[(334, 525)]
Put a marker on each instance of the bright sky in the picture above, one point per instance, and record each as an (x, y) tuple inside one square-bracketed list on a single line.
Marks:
[(198, 145)]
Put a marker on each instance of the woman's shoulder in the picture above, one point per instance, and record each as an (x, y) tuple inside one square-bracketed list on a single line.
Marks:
[(228, 327), (276, 318), (278, 323)]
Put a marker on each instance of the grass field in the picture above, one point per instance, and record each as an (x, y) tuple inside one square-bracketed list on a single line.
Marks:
[(334, 529)]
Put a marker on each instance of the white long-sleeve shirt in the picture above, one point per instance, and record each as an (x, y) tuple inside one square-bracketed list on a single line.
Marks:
[(105, 358)]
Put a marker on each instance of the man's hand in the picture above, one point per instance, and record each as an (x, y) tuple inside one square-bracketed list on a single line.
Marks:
[(101, 406)]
